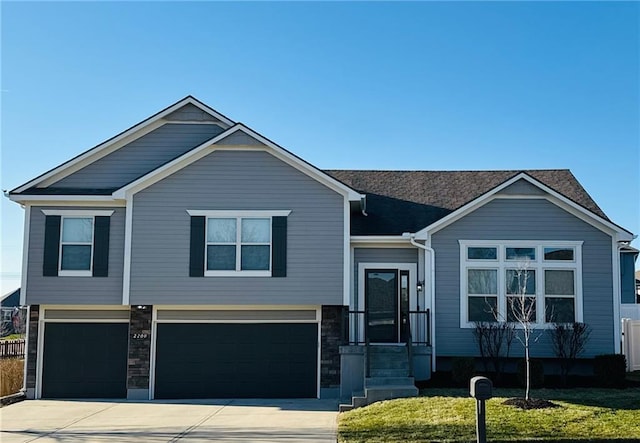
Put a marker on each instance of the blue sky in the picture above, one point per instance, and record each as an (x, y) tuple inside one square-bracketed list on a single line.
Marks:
[(359, 85)]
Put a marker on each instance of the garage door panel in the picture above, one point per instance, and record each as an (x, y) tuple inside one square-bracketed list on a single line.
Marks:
[(85, 360), (236, 360)]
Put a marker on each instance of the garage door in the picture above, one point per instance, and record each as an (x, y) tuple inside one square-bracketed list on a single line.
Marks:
[(216, 360), (85, 360)]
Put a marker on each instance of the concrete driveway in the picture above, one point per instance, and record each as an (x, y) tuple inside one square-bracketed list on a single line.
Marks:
[(291, 421)]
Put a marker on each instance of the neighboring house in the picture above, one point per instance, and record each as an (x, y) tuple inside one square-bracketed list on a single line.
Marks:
[(9, 313), (190, 256)]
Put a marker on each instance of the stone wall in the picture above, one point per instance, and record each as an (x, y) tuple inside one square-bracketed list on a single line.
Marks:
[(139, 351), (32, 350), (331, 336)]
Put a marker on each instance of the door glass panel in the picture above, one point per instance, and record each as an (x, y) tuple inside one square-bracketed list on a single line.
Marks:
[(381, 294), (404, 306)]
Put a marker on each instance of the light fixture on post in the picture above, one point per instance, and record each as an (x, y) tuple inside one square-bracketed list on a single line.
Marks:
[(420, 285)]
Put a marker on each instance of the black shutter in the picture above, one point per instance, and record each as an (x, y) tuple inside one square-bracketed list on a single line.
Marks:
[(101, 246), (51, 245), (279, 247), (196, 256)]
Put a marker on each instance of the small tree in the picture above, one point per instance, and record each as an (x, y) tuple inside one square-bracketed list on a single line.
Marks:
[(568, 341), (521, 310)]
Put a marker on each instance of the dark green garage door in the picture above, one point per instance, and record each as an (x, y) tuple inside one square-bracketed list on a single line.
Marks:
[(236, 360), (85, 360)]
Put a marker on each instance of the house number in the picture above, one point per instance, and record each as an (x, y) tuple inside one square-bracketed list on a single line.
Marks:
[(140, 336)]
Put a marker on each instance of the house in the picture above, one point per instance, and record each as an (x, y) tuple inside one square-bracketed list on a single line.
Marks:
[(191, 257), (9, 313)]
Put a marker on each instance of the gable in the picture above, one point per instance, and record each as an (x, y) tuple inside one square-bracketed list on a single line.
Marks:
[(521, 187), (192, 113), (239, 139), (250, 140), (140, 156), (187, 108)]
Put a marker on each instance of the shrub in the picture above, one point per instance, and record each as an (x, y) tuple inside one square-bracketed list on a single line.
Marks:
[(568, 342), (462, 369), (11, 375), (537, 373), (610, 370)]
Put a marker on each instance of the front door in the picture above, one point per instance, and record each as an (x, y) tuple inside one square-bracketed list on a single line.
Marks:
[(387, 305)]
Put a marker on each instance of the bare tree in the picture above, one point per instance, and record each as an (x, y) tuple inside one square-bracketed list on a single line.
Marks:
[(521, 310)]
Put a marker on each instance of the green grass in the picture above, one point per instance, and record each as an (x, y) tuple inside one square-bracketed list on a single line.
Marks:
[(448, 415)]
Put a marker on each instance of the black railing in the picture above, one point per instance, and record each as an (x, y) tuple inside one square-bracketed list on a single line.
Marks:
[(354, 330)]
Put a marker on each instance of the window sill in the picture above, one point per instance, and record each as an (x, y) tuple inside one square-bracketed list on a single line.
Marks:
[(237, 273), (75, 274)]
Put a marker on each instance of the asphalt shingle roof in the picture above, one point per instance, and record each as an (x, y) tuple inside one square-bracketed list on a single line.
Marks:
[(407, 201)]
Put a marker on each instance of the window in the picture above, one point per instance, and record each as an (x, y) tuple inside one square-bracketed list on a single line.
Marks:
[(238, 243), (76, 243), (496, 275)]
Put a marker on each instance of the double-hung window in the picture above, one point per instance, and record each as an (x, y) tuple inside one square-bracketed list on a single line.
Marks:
[(508, 280), (76, 243), (238, 243)]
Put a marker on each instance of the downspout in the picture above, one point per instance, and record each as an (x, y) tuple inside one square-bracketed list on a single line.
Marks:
[(432, 295)]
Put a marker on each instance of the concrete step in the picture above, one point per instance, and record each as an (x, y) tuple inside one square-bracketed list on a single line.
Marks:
[(379, 393), (388, 381), (396, 372), (389, 363), (387, 349)]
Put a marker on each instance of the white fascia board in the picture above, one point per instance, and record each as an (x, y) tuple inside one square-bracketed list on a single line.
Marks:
[(303, 166), (210, 146), (380, 239), (78, 212), (116, 143), (553, 196), (239, 213), (62, 200)]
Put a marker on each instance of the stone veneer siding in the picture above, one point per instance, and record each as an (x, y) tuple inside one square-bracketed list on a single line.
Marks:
[(32, 349), (139, 347), (330, 340)]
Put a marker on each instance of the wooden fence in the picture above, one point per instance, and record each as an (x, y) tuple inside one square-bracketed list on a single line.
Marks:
[(12, 348)]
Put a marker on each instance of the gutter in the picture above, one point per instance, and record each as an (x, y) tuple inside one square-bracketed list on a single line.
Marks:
[(432, 290)]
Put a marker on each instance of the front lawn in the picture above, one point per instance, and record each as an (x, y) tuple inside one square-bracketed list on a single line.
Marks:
[(448, 415)]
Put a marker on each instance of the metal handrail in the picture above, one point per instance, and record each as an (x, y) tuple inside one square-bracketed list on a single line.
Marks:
[(409, 344), (354, 327)]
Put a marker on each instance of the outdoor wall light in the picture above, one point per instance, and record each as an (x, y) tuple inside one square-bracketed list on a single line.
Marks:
[(420, 286)]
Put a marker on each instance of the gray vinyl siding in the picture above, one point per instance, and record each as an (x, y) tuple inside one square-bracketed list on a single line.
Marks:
[(381, 255), (237, 180), (523, 219), (240, 138), (522, 187), (75, 290), (190, 113), (140, 156)]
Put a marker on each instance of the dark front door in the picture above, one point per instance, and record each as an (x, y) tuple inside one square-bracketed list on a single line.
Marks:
[(381, 304), (387, 305)]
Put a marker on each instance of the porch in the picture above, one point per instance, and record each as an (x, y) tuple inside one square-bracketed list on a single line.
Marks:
[(372, 369)]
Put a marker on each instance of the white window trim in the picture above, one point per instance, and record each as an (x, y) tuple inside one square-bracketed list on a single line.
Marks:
[(77, 213), (76, 273), (239, 215), (539, 265)]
